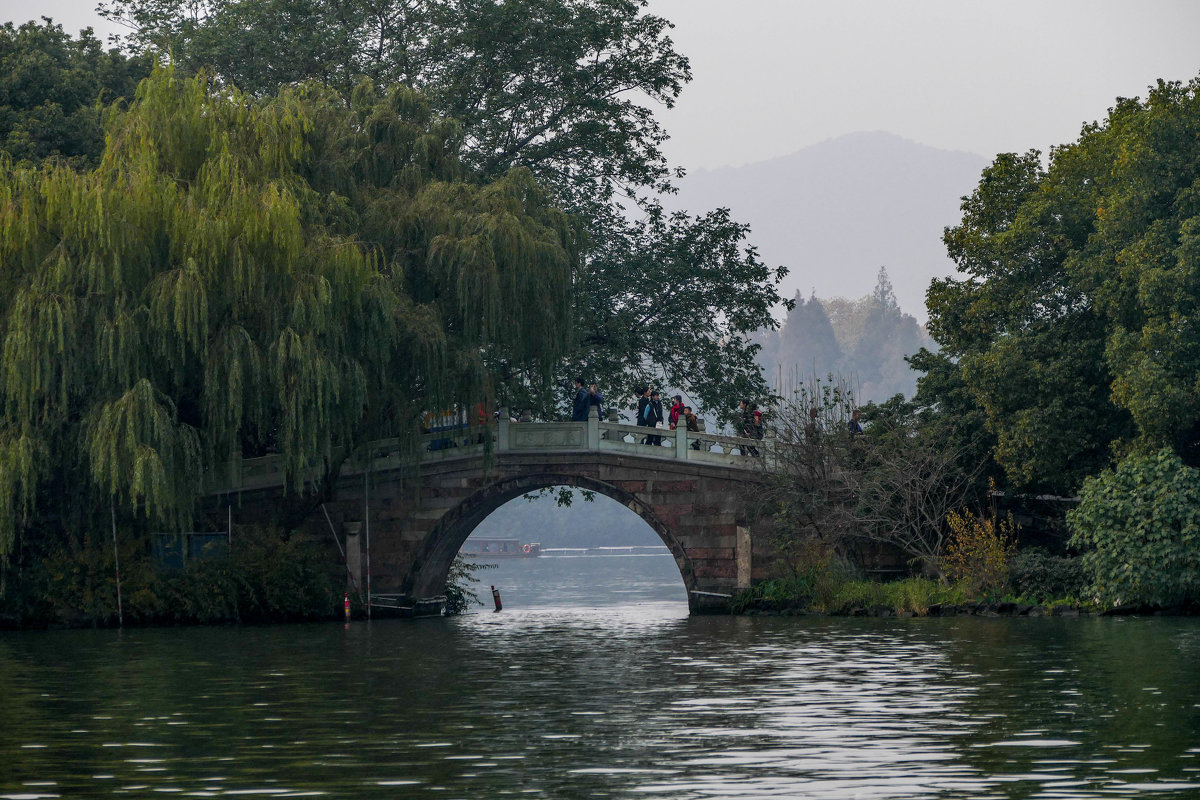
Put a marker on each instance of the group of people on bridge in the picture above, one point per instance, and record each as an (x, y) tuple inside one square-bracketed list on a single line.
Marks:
[(650, 414)]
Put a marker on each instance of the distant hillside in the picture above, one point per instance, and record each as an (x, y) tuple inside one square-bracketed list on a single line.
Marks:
[(837, 211), (863, 341)]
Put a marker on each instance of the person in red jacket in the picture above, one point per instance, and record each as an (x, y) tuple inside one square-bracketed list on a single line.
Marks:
[(676, 411)]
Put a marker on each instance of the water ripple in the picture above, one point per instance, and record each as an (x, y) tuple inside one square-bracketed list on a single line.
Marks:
[(633, 701)]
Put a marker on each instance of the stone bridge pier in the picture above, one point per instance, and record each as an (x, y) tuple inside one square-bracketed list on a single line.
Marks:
[(416, 526)]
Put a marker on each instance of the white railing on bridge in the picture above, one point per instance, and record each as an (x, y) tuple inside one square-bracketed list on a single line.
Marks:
[(572, 437), (507, 436)]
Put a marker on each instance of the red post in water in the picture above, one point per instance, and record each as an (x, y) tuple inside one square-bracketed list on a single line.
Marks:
[(496, 598), (347, 606)]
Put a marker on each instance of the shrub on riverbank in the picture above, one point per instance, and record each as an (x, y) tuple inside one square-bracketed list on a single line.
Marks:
[(978, 552), (1139, 528), (1040, 577), (265, 577), (914, 595), (1031, 578)]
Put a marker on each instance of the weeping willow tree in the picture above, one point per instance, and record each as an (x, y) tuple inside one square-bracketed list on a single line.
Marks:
[(284, 275)]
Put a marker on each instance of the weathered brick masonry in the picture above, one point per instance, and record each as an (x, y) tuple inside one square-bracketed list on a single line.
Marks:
[(702, 512)]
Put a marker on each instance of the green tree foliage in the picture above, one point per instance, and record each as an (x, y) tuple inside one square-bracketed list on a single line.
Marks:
[(564, 88), (52, 90), (460, 586), (264, 576), (1139, 525), (693, 289), (1041, 577), (559, 86), (1075, 326), (286, 275)]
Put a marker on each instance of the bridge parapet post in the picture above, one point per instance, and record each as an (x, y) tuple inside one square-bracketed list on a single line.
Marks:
[(681, 445), (502, 437), (593, 433)]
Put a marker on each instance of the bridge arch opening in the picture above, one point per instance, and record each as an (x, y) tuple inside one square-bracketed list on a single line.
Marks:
[(428, 576)]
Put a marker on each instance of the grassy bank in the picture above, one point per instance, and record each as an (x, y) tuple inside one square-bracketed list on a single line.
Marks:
[(1031, 581), (831, 596), (909, 597)]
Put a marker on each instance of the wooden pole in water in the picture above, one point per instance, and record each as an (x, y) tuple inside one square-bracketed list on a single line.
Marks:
[(112, 508), (367, 526)]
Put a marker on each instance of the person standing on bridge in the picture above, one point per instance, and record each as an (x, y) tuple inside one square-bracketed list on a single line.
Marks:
[(595, 399), (657, 417), (750, 425), (747, 418), (676, 411), (643, 396), (582, 403), (693, 425)]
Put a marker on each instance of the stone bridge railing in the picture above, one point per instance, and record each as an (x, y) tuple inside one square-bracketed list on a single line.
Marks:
[(507, 436)]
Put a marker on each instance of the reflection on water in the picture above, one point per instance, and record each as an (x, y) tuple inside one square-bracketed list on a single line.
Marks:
[(608, 697)]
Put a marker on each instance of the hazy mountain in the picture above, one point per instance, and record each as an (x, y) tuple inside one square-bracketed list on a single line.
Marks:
[(863, 341), (837, 211)]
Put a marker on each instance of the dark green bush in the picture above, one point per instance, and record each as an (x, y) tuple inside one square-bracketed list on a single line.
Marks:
[(1139, 529), (265, 577), (1040, 577)]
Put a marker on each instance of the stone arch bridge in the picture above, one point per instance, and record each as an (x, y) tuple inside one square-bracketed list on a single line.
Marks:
[(402, 524)]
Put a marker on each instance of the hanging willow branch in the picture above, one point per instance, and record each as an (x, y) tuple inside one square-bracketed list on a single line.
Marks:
[(283, 275)]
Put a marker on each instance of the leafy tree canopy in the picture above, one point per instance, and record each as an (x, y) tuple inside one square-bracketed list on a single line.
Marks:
[(565, 88), (52, 90), (559, 86), (1075, 326), (668, 300), (286, 274)]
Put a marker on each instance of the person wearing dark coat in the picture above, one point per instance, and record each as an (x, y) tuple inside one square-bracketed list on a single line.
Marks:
[(643, 396), (747, 419), (655, 417), (750, 425), (693, 425), (582, 403)]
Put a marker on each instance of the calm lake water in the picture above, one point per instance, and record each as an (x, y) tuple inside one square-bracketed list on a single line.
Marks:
[(594, 682)]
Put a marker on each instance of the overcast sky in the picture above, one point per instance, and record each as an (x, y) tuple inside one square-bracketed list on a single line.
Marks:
[(985, 77), (773, 76)]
